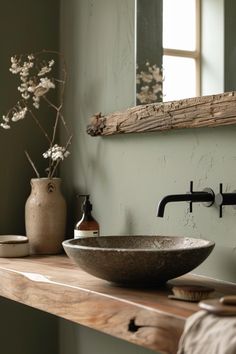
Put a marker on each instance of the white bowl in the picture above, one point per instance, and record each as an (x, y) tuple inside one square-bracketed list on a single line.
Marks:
[(14, 246)]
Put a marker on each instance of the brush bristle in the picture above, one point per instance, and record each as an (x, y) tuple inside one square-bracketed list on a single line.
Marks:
[(192, 293)]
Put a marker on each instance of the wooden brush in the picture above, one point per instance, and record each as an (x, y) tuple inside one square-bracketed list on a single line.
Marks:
[(192, 293)]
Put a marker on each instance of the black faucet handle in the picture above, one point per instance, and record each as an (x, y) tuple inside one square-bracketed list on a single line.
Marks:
[(209, 196), (191, 203), (222, 199), (221, 205), (219, 199)]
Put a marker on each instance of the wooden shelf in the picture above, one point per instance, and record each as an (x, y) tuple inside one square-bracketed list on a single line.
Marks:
[(144, 317), (196, 112)]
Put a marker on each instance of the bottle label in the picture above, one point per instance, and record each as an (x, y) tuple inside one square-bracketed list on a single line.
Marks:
[(85, 233)]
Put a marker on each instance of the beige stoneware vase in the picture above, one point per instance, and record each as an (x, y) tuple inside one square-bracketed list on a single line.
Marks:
[(45, 216)]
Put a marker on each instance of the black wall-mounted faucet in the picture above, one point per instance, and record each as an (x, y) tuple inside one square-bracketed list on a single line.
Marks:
[(222, 199), (206, 196)]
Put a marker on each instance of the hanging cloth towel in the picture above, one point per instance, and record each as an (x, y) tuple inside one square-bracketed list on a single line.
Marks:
[(206, 333)]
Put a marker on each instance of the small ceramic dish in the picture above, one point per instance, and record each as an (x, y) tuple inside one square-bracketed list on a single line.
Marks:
[(216, 307), (14, 246)]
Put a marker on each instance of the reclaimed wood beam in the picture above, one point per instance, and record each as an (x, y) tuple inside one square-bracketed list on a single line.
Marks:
[(204, 111)]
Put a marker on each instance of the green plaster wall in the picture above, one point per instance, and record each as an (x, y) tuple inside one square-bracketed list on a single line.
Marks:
[(127, 175)]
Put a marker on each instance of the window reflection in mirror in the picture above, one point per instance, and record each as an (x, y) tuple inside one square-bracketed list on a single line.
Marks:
[(168, 50), (181, 49), (211, 69)]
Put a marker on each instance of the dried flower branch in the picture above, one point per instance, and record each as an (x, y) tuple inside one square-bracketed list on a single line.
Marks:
[(149, 84), (32, 164), (37, 79)]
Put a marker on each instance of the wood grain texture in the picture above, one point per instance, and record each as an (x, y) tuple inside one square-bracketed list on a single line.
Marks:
[(205, 111), (144, 317)]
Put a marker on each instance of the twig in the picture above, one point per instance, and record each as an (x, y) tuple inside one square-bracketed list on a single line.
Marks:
[(32, 164), (58, 161), (50, 103), (52, 141), (29, 79), (40, 126), (55, 128), (58, 109)]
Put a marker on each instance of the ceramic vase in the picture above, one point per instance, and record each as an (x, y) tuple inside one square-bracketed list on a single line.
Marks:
[(45, 216)]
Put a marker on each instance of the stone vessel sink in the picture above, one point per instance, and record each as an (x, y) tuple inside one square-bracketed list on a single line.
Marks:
[(137, 260)]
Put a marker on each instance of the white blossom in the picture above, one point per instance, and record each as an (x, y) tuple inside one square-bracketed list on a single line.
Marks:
[(5, 126), (146, 77), (14, 60), (157, 74), (25, 95), (6, 120), (43, 87), (56, 152), (36, 102), (51, 63), (146, 95), (31, 57), (20, 114), (23, 87), (35, 79), (149, 84), (157, 88), (15, 65), (46, 68), (31, 85), (46, 83)]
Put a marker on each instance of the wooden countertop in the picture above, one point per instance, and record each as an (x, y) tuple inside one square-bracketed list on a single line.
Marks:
[(144, 317)]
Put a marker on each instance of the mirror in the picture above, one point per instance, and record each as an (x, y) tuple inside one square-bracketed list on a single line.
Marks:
[(215, 105), (215, 28)]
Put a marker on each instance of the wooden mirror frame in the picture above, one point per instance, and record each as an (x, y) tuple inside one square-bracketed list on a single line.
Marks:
[(203, 111)]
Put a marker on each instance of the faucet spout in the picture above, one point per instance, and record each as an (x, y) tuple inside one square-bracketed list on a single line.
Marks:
[(193, 197)]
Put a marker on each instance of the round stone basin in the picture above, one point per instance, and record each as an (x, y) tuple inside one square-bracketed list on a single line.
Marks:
[(138, 260)]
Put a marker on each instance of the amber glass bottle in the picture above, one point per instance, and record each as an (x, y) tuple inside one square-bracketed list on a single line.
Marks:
[(87, 225)]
